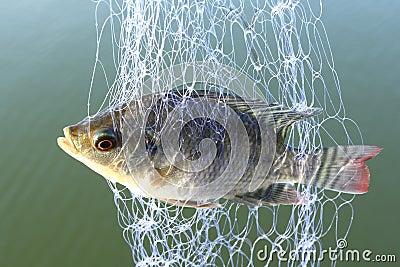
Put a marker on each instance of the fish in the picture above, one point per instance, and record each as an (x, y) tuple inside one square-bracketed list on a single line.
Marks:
[(124, 145)]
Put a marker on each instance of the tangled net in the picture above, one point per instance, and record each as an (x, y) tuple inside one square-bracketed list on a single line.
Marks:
[(283, 47)]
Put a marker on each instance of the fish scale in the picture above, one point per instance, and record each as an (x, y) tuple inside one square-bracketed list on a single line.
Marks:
[(340, 168)]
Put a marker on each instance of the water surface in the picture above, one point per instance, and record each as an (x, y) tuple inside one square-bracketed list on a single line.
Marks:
[(56, 212)]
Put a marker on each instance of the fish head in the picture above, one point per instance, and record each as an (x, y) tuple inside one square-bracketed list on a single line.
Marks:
[(96, 142)]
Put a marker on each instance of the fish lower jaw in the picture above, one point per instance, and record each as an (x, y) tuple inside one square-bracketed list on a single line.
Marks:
[(66, 145)]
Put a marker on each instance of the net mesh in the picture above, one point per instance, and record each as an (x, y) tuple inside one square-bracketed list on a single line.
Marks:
[(283, 47)]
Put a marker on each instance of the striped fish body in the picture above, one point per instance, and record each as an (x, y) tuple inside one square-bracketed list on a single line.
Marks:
[(340, 168)]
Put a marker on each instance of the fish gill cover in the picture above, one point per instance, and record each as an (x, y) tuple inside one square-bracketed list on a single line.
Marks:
[(274, 52)]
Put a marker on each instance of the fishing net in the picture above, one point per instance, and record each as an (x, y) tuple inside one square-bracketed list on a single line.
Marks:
[(275, 51)]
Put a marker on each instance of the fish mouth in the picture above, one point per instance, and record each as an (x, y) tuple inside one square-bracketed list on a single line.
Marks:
[(66, 144)]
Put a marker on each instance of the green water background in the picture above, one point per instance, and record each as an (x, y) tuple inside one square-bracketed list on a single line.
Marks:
[(56, 212)]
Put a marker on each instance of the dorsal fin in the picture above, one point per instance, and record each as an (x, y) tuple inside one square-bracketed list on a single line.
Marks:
[(285, 117)]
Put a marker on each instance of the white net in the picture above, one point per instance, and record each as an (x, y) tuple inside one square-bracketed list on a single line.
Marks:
[(283, 48)]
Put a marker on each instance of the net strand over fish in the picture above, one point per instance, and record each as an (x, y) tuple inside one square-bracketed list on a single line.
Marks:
[(276, 52)]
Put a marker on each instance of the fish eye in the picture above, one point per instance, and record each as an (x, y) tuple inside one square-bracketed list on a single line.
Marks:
[(105, 140)]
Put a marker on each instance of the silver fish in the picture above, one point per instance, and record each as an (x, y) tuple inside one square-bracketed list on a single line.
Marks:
[(109, 143)]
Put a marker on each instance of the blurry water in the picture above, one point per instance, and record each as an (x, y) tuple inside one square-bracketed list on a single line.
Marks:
[(56, 212)]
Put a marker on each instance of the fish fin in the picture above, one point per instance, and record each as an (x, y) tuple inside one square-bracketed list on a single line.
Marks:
[(275, 194), (283, 117), (343, 168), (168, 172), (192, 204)]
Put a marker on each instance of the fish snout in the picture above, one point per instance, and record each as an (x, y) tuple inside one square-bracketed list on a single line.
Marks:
[(66, 142)]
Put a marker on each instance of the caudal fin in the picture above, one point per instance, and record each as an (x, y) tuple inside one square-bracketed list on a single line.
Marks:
[(343, 168)]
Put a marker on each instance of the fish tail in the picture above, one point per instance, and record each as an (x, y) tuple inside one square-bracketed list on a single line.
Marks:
[(340, 168), (343, 168)]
